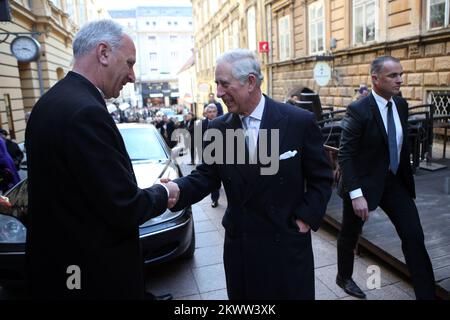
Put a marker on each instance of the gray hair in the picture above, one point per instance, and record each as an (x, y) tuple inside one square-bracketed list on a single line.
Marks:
[(210, 106), (243, 63), (378, 63), (92, 33)]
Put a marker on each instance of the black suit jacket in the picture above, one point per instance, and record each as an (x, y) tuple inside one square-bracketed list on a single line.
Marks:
[(265, 256), (84, 204), (364, 153)]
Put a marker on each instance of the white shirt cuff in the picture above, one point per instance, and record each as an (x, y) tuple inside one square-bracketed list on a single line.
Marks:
[(167, 189), (356, 194)]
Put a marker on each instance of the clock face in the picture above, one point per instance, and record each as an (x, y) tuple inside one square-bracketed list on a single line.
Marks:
[(25, 49)]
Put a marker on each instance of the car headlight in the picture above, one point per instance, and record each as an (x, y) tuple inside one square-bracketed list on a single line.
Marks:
[(11, 230)]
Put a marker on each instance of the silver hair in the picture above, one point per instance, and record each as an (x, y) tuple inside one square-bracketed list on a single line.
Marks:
[(243, 63), (210, 106), (92, 33), (378, 63)]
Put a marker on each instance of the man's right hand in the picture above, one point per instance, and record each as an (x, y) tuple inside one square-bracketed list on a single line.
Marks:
[(174, 192), (360, 208)]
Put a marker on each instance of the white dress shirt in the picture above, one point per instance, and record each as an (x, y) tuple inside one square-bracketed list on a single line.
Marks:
[(382, 107), (254, 123)]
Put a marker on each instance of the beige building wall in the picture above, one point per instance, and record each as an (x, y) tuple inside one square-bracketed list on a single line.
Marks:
[(401, 30), (20, 85), (219, 26)]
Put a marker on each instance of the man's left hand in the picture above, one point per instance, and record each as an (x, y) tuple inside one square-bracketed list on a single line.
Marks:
[(302, 226)]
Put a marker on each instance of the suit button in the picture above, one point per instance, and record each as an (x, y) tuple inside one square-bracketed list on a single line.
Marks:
[(281, 180), (229, 179)]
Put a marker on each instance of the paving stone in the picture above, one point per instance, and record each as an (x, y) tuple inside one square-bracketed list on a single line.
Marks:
[(215, 295), (210, 278), (204, 226), (208, 239), (208, 256)]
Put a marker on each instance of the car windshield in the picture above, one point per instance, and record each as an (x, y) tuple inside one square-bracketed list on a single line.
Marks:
[(142, 144)]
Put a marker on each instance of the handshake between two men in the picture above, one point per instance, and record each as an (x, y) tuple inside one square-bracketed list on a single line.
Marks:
[(174, 192)]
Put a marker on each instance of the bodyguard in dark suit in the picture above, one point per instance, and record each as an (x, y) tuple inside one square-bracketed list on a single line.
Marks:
[(85, 207), (267, 250), (376, 171)]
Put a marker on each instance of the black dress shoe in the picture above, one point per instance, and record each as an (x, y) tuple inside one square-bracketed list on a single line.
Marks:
[(350, 287), (166, 296), (214, 204)]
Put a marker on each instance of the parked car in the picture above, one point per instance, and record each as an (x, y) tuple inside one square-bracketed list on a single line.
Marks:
[(163, 238)]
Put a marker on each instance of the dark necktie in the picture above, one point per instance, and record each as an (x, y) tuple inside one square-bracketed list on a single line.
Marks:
[(392, 138)]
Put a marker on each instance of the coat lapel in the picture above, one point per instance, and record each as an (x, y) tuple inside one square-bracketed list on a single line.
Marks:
[(378, 118), (234, 122), (402, 110)]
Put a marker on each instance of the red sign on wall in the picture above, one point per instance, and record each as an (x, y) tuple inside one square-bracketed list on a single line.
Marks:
[(263, 46)]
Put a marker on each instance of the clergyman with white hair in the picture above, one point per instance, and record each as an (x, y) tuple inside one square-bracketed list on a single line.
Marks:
[(85, 207)]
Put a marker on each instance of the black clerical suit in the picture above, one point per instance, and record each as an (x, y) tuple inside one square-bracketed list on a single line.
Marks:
[(84, 204)]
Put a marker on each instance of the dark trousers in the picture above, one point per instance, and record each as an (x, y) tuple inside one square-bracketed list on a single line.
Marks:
[(215, 195), (401, 210)]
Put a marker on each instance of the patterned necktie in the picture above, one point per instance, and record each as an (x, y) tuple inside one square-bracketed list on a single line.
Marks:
[(249, 138), (392, 139)]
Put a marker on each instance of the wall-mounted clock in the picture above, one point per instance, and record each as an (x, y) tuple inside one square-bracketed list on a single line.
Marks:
[(25, 49)]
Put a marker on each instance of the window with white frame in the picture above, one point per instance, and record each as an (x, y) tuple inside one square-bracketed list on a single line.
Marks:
[(152, 40), (365, 17), (213, 6), (235, 34), (153, 60), (251, 28), (205, 12), (208, 55), (284, 37), (70, 9), (226, 40), (218, 52), (316, 19), (81, 12), (197, 61), (437, 13), (213, 52)]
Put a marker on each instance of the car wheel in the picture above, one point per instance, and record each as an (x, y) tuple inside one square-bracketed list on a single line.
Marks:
[(189, 253)]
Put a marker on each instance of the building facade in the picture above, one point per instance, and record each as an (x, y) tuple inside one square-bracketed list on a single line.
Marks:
[(348, 35), (344, 34), (53, 24), (164, 39), (222, 25)]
